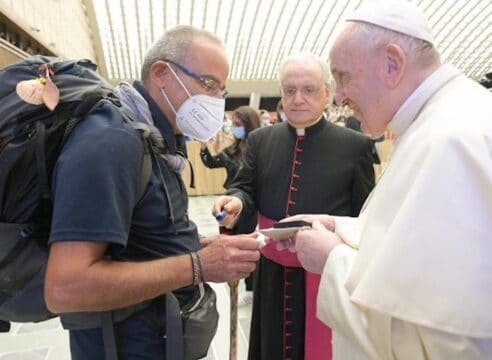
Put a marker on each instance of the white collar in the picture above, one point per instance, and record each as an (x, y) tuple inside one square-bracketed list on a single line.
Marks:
[(302, 132), (409, 110)]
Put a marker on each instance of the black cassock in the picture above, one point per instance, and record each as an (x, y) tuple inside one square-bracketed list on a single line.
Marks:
[(326, 170)]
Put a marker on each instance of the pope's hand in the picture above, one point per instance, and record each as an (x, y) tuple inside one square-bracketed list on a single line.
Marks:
[(325, 220), (314, 245)]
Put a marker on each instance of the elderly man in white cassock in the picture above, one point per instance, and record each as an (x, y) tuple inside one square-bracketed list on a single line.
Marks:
[(411, 277)]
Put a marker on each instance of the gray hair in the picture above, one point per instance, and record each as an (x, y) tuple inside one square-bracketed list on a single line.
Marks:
[(422, 52), (173, 45), (308, 57)]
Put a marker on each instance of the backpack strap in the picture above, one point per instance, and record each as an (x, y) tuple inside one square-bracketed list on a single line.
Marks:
[(107, 321), (41, 159), (146, 171), (109, 340), (174, 329)]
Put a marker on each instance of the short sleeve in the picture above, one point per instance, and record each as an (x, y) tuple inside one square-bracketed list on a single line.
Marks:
[(95, 182)]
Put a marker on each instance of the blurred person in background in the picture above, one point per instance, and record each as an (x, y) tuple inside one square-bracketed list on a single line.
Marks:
[(281, 117), (244, 120), (265, 118)]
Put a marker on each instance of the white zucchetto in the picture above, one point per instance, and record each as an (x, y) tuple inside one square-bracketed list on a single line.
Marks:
[(396, 15)]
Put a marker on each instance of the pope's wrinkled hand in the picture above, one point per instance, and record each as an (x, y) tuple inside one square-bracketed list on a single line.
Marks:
[(313, 246), (289, 244), (324, 219)]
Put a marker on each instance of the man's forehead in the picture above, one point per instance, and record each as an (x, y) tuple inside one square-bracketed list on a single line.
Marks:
[(308, 71), (209, 59), (336, 62), (343, 50)]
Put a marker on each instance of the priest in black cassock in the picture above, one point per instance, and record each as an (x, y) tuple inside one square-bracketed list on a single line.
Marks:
[(304, 165)]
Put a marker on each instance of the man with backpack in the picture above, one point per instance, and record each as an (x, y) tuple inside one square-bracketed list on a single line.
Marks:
[(114, 248)]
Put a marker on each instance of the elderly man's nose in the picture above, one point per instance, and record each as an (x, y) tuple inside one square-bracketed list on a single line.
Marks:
[(340, 97), (298, 96)]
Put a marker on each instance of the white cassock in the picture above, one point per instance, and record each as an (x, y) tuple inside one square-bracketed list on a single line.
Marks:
[(418, 284)]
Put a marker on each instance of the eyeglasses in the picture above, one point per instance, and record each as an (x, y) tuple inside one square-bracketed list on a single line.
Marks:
[(306, 91), (209, 84)]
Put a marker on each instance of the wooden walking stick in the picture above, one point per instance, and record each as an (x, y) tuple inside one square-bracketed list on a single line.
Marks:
[(233, 290), (233, 285)]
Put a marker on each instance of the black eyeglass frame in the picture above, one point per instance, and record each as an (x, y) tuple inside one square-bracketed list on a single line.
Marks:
[(208, 83)]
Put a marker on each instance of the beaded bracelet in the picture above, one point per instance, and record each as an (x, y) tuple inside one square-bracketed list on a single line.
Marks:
[(199, 260), (196, 268)]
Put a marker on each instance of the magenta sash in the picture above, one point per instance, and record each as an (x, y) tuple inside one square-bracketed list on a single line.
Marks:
[(317, 340)]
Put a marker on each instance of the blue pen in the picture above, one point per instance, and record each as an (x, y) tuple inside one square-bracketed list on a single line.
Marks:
[(220, 216)]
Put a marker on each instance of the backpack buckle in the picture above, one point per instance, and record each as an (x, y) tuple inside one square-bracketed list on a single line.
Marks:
[(26, 232)]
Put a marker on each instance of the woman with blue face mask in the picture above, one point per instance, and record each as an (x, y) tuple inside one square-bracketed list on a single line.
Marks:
[(244, 120)]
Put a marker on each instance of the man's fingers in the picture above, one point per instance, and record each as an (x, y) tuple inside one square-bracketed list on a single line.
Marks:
[(220, 204), (225, 209), (245, 267), (232, 207), (243, 255), (246, 242)]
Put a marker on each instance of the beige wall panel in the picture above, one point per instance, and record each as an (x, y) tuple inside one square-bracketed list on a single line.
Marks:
[(207, 181), (9, 54), (60, 25)]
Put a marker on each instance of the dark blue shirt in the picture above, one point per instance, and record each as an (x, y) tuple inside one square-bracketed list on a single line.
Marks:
[(95, 185), (95, 189)]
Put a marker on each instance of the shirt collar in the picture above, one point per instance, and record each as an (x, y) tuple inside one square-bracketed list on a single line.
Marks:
[(313, 128), (409, 110), (160, 121)]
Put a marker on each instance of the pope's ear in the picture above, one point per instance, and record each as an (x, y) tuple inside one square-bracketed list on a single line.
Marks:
[(158, 73), (395, 63)]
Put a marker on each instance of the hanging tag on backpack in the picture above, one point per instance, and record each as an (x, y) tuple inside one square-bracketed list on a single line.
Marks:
[(31, 91), (41, 90), (51, 94)]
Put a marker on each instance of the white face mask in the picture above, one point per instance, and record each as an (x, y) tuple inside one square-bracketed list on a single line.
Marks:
[(200, 117)]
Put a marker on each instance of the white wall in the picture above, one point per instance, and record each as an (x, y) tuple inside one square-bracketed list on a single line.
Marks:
[(60, 25)]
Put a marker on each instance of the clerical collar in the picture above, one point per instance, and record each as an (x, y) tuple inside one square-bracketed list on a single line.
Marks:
[(408, 112), (314, 127), (160, 121)]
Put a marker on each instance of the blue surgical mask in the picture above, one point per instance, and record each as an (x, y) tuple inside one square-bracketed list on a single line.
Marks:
[(238, 132)]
